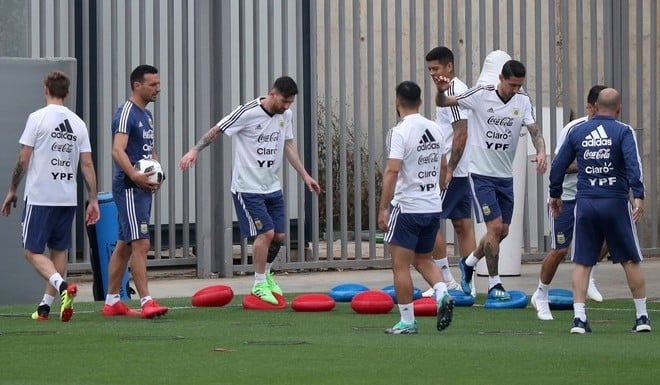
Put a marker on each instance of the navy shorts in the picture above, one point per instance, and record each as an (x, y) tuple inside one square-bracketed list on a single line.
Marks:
[(47, 226), (412, 231), (457, 199), (133, 212), (259, 213), (561, 228), (493, 197), (609, 220)]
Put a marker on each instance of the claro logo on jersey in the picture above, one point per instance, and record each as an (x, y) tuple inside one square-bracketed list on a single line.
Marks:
[(502, 140), (597, 138), (64, 131)]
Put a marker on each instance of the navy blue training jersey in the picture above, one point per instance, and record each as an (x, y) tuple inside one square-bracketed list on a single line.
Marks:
[(138, 125), (608, 162)]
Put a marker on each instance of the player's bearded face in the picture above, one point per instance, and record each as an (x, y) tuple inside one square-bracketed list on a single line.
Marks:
[(509, 86), (281, 103), (150, 87)]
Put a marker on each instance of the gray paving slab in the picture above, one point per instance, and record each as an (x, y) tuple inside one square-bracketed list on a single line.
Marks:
[(610, 280)]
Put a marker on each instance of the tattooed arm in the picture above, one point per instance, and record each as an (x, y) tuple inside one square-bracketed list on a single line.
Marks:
[(539, 145), (17, 176), (189, 159)]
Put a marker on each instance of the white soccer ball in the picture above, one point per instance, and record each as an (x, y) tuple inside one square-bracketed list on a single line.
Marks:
[(148, 165)]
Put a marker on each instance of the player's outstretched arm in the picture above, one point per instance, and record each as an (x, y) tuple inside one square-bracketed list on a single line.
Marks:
[(441, 99), (291, 153), (188, 160)]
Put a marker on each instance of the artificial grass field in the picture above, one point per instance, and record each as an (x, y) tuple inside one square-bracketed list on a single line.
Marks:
[(230, 345)]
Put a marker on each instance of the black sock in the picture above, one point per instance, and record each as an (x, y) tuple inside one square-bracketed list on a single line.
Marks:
[(43, 310), (63, 287)]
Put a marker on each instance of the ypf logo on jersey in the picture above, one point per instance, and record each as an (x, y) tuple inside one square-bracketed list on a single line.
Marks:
[(597, 138)]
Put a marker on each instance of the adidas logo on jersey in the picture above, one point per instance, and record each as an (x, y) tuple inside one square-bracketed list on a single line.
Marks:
[(597, 138), (427, 142), (490, 110), (63, 131)]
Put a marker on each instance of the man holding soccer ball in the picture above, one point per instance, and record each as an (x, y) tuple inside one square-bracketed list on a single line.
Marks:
[(263, 129), (132, 190)]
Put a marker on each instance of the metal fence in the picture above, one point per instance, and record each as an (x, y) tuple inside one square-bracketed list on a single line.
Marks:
[(347, 56)]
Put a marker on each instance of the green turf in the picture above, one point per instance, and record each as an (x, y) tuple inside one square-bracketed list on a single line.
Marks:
[(338, 347)]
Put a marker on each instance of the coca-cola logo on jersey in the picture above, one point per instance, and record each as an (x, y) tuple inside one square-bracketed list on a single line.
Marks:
[(266, 138), (430, 158), (603, 153), (62, 147), (506, 121)]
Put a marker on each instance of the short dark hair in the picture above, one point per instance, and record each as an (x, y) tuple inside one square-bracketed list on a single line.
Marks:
[(286, 86), (513, 68), (138, 73), (57, 84), (592, 97), (409, 94), (441, 54)]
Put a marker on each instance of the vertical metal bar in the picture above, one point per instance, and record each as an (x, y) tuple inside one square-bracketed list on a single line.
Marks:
[(566, 85), (329, 131), (594, 51), (469, 41), (654, 123), (552, 110), (256, 22), (398, 34), (343, 132), (610, 44), (385, 79), (639, 62), (412, 40), (172, 74), (187, 51), (579, 41), (496, 24), (426, 80), (357, 134), (482, 29), (371, 130), (271, 43), (509, 26)]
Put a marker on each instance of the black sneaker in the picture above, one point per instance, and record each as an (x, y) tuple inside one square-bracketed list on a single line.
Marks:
[(445, 312), (642, 324), (498, 293), (580, 327)]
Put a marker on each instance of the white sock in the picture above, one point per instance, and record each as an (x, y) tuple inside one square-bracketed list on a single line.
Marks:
[(471, 260), (55, 281), (259, 278), (407, 313), (145, 299), (542, 291), (640, 307), (494, 280), (268, 266), (443, 264), (440, 290), (47, 300), (111, 299), (579, 311)]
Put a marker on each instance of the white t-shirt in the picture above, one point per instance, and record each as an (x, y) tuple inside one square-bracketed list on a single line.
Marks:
[(570, 180), (495, 129), (259, 146), (57, 136), (445, 116), (419, 144)]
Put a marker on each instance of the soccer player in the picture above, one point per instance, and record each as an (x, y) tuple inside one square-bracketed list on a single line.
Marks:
[(455, 187), (54, 142), (562, 226), (263, 129), (133, 135), (498, 113), (609, 168), (410, 205)]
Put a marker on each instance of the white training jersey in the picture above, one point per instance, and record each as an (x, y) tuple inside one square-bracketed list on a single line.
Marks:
[(570, 180), (495, 128), (419, 144), (57, 136), (445, 116), (258, 146)]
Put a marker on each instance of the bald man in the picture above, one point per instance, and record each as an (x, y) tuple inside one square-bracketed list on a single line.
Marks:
[(609, 168)]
